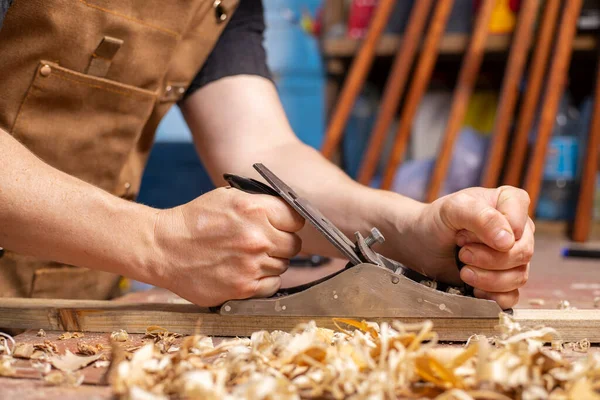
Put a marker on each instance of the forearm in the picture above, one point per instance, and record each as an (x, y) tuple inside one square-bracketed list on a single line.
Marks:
[(350, 206), (48, 214), (252, 128)]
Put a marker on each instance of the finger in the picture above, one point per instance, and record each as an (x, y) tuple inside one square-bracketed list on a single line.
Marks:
[(495, 281), (285, 245), (267, 286), (505, 300), (485, 257), (465, 237), (464, 212), (274, 266), (282, 216), (513, 203), (531, 225)]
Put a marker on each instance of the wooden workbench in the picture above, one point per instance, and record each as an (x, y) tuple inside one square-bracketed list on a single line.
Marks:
[(548, 280)]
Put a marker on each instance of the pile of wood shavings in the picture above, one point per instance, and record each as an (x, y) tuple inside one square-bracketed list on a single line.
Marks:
[(369, 362)]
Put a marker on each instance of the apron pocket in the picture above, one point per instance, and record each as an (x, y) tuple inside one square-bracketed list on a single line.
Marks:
[(83, 125)]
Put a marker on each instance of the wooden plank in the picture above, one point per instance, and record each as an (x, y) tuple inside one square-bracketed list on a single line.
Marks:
[(107, 316), (554, 92), (356, 77), (451, 44), (460, 100), (394, 89), (583, 217), (539, 62), (510, 91), (418, 86)]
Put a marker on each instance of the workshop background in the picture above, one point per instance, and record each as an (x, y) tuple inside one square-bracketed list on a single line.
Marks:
[(311, 45), (504, 94)]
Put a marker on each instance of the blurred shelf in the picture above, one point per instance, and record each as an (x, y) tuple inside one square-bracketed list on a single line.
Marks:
[(451, 44)]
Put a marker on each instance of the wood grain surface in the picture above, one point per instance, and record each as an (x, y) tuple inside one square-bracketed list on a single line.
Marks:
[(107, 316)]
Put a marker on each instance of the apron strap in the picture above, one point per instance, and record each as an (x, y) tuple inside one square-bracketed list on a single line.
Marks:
[(103, 56)]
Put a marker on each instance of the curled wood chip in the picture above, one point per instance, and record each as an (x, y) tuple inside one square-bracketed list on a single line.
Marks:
[(6, 366), (101, 364), (47, 347), (119, 336), (537, 302), (43, 367), (70, 362), (361, 360), (41, 333), (69, 335), (23, 350), (58, 378), (7, 344), (565, 305), (597, 302), (86, 349)]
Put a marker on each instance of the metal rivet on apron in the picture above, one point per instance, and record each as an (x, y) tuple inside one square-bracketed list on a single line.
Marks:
[(220, 12), (45, 70), (127, 185), (181, 90), (169, 88)]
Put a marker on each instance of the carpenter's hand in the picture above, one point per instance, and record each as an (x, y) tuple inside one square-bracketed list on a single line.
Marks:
[(226, 244), (496, 235)]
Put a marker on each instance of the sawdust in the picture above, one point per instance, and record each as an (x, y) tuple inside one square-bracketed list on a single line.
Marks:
[(361, 360), (41, 333)]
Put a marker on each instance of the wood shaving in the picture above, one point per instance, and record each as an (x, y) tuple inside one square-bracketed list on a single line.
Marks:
[(162, 337), (43, 367), (361, 360), (47, 347), (69, 335), (86, 349), (119, 336), (581, 346), (537, 302), (101, 364), (7, 344), (41, 333), (69, 379), (6, 366), (70, 362), (565, 305), (23, 350)]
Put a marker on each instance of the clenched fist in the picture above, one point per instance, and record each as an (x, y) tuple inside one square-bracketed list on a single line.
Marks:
[(495, 234), (224, 245)]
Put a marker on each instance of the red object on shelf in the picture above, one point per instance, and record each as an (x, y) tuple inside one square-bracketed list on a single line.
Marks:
[(359, 17)]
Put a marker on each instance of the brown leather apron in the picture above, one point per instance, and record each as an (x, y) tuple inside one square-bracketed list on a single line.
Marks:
[(84, 85)]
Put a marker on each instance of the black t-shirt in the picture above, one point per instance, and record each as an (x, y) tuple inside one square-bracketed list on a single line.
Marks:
[(239, 49)]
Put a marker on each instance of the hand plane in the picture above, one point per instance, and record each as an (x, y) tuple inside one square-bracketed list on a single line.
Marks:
[(370, 285)]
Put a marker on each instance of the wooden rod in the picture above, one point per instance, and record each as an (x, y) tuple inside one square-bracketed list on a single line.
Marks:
[(510, 89), (554, 92), (187, 319), (418, 86), (356, 77), (537, 69), (583, 216), (466, 81), (394, 88)]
